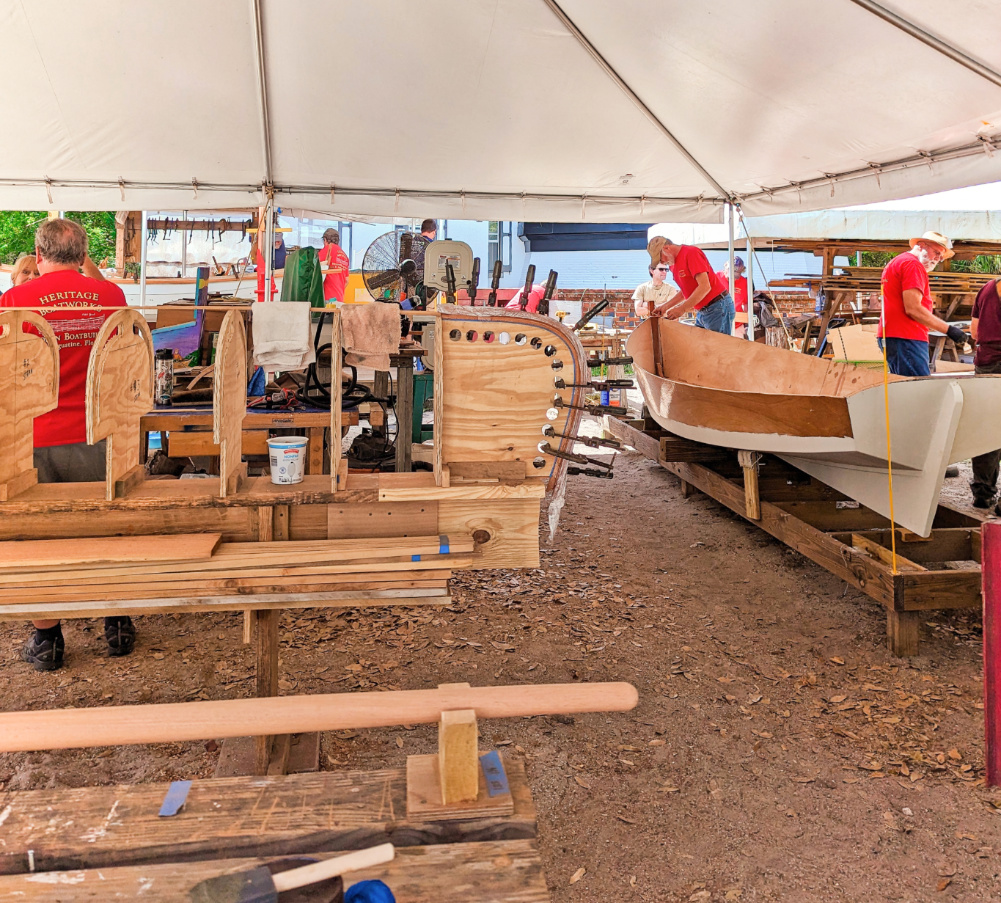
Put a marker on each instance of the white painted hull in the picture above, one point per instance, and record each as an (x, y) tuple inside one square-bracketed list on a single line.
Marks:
[(934, 422)]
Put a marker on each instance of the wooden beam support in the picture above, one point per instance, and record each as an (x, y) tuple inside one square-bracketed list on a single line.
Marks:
[(749, 462), (902, 632)]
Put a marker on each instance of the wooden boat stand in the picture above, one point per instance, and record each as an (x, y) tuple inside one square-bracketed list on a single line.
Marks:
[(489, 478), (941, 571)]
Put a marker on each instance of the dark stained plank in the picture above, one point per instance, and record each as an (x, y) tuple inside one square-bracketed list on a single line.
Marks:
[(489, 872), (95, 827)]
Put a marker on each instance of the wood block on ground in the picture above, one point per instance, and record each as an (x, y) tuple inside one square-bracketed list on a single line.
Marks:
[(424, 794), (507, 871), (29, 387), (19, 555), (119, 391), (244, 816), (236, 756), (458, 759), (229, 401)]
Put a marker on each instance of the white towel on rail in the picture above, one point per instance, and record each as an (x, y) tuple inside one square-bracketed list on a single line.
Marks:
[(282, 339)]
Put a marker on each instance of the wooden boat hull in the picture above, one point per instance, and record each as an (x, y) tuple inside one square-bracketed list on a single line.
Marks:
[(825, 418)]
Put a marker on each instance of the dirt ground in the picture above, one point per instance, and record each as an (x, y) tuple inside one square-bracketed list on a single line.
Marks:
[(778, 751)]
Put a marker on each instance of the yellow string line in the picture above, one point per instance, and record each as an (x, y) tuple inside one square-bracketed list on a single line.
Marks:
[(889, 465)]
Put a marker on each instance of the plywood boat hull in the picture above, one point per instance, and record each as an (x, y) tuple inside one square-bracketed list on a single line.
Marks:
[(826, 418)]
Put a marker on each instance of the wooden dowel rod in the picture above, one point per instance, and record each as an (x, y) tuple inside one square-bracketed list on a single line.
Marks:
[(181, 721)]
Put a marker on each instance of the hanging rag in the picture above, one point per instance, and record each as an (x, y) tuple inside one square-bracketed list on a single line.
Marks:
[(282, 339), (371, 333), (303, 280)]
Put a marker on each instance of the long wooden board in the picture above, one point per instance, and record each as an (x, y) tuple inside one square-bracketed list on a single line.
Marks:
[(488, 872), (225, 817), (20, 555)]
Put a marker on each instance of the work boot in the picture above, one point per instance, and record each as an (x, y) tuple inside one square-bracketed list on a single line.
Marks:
[(120, 634), (44, 651), (983, 502)]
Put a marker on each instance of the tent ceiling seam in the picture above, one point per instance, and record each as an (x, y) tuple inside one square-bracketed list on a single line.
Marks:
[(632, 95), (262, 76), (936, 43)]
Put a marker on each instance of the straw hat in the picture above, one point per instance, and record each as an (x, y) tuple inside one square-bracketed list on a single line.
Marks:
[(655, 246), (936, 238)]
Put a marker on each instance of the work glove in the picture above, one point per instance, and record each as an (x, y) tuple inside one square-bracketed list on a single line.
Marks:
[(958, 336)]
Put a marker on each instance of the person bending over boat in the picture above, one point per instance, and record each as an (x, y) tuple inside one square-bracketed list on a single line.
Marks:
[(907, 306), (655, 294), (702, 289), (986, 330), (62, 454)]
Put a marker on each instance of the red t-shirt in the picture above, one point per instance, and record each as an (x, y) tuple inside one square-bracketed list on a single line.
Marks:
[(987, 313), (534, 297), (739, 290), (901, 274), (336, 279), (55, 295), (687, 265)]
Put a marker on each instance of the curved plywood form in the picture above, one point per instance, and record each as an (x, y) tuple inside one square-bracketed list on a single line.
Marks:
[(229, 401), (119, 392), (29, 387), (495, 390)]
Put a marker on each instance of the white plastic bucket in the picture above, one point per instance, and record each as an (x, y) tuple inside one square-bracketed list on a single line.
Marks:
[(288, 458)]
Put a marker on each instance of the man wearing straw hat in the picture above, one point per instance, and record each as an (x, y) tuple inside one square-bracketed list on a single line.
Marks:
[(907, 306)]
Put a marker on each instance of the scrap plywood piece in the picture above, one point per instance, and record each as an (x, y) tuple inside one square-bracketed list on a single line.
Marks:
[(496, 375), (338, 466), (119, 392), (21, 555), (229, 401), (29, 386), (424, 800)]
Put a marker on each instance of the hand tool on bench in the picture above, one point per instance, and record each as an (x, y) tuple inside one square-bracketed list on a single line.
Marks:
[(260, 886), (590, 315), (474, 282), (527, 290), (548, 295), (495, 283)]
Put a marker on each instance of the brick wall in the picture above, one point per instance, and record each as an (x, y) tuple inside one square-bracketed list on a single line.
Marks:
[(621, 308)]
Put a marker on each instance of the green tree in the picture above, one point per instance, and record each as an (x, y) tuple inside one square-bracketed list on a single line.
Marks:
[(17, 232)]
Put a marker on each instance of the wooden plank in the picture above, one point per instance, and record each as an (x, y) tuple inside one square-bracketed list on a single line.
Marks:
[(199, 443), (424, 794), (176, 722), (882, 553), (944, 544), (828, 516), (46, 553), (458, 759), (337, 479), (266, 681), (29, 387), (235, 817), (489, 872), (510, 471), (235, 524), (229, 401), (933, 590), (675, 448), (119, 390), (752, 500), (382, 520), (902, 631), (506, 533)]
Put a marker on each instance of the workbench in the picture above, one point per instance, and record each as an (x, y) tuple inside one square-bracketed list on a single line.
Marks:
[(231, 823), (189, 430)]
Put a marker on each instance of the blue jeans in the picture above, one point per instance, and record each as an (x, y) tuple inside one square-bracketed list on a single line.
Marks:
[(718, 316), (906, 357)]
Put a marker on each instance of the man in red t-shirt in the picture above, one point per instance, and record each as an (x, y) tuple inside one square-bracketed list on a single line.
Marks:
[(337, 266), (702, 289), (62, 454), (907, 306)]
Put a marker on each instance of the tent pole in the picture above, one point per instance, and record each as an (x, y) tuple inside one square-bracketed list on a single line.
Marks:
[(750, 285), (729, 223), (267, 234), (144, 236)]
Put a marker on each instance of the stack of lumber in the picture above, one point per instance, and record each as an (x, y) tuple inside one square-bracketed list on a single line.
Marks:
[(197, 572), (867, 280)]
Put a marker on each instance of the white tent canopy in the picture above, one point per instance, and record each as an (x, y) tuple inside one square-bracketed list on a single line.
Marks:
[(638, 110)]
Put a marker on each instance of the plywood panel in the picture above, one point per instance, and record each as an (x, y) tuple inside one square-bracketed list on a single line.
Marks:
[(29, 386), (382, 519), (498, 380), (506, 533), (119, 391)]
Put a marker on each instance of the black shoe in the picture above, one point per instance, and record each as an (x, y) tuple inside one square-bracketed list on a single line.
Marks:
[(120, 634), (44, 653), (983, 503)]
